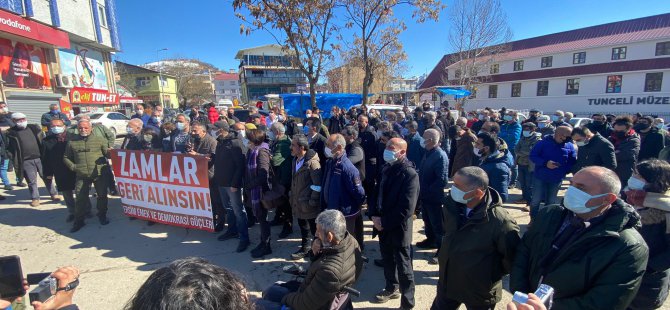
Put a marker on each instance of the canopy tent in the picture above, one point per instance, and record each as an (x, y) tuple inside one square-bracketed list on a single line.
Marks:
[(454, 91), (296, 104)]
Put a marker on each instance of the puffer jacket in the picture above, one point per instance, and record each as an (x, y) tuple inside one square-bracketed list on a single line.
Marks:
[(600, 269), (511, 133), (522, 150), (499, 173), (303, 198), (478, 251), (548, 149), (86, 156), (330, 271)]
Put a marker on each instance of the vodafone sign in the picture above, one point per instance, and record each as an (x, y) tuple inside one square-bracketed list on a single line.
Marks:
[(27, 28), (80, 95)]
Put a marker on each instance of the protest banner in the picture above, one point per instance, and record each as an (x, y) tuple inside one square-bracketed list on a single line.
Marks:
[(167, 188)]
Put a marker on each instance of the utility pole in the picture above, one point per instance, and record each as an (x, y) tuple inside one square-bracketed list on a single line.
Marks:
[(160, 76)]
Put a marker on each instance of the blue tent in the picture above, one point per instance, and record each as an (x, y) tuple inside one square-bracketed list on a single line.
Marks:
[(296, 108), (454, 91)]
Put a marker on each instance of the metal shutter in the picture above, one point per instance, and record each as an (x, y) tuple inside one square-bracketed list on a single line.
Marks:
[(32, 104)]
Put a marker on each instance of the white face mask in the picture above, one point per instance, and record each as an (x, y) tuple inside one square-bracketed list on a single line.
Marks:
[(575, 200), (660, 126), (457, 195), (477, 152), (636, 184), (22, 124), (328, 152)]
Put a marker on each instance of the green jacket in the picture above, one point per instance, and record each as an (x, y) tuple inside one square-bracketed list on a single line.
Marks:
[(523, 147), (281, 160), (601, 269), (98, 130), (86, 156), (477, 252)]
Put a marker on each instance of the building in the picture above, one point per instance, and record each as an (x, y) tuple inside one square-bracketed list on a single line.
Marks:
[(404, 84), (144, 83), (348, 79), (266, 70), (621, 67), (58, 52), (227, 86)]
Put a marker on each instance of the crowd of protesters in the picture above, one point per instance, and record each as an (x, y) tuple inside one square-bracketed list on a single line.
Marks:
[(605, 244)]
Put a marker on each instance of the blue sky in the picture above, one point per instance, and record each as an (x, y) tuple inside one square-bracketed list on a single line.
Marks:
[(208, 29)]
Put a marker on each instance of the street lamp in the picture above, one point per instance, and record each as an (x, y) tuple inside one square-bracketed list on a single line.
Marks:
[(160, 75)]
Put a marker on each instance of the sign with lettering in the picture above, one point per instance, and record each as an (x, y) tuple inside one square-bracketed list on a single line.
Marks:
[(23, 65), (167, 188), (80, 95), (27, 28), (631, 100)]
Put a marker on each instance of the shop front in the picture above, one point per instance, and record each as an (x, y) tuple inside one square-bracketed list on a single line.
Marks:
[(25, 58), (88, 100)]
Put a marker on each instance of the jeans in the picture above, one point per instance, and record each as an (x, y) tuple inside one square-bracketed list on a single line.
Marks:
[(432, 219), (236, 214), (272, 297), (4, 165), (543, 191), (514, 170), (83, 203), (526, 182), (442, 302), (398, 270)]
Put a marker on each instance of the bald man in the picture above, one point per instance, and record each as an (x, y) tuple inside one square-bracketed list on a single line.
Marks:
[(391, 214)]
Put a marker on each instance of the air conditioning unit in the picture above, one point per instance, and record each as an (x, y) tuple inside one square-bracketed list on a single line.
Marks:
[(64, 81)]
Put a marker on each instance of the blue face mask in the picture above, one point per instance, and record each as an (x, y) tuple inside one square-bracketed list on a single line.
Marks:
[(305, 129), (636, 184), (181, 126), (508, 118), (527, 133), (457, 195), (575, 200), (156, 119), (57, 130), (390, 156), (55, 111), (423, 143)]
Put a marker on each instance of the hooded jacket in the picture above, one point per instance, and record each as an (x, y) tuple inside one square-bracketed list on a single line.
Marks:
[(477, 251), (548, 149), (499, 173), (600, 269), (304, 198)]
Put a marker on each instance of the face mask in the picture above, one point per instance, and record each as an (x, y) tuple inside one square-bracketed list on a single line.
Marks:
[(582, 143), (457, 195), (140, 112), (527, 133), (57, 130), (328, 152), (636, 184), (482, 117), (660, 126), (477, 152), (195, 137), (181, 126), (22, 125), (214, 133), (390, 156), (423, 143), (599, 123), (4, 110), (554, 118), (130, 131), (575, 200), (242, 133), (620, 134), (308, 115), (271, 135), (641, 126), (148, 138), (541, 125), (55, 112), (305, 130), (156, 119), (508, 118)]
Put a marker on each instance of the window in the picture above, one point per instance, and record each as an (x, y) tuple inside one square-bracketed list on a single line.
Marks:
[(518, 65), (516, 89), (493, 91), (579, 58), (662, 48), (653, 81), (102, 16), (164, 82), (233, 83), (546, 61), (495, 68), (613, 84), (619, 53), (572, 87), (542, 88), (142, 81)]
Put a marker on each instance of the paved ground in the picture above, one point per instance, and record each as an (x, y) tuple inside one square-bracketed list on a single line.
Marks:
[(116, 259)]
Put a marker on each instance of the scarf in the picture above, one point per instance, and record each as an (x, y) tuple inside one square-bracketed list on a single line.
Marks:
[(252, 168), (616, 141)]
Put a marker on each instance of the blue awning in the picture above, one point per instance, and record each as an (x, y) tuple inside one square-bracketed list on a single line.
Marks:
[(453, 91)]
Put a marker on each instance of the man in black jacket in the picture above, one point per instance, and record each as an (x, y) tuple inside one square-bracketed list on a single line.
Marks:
[(368, 141), (600, 125), (229, 166), (594, 150), (354, 150), (392, 218), (651, 140), (53, 151), (317, 142), (133, 140)]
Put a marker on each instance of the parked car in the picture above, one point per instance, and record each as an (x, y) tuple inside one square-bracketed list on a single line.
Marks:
[(243, 114), (577, 122), (114, 121)]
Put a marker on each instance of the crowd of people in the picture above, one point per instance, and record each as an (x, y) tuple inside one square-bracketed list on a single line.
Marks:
[(604, 245)]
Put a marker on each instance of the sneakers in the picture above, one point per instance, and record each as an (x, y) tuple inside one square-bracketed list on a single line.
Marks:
[(286, 231), (228, 235), (385, 295), (261, 250), (21, 184), (299, 254), (77, 226), (242, 246), (103, 220), (426, 244), (35, 203), (9, 188)]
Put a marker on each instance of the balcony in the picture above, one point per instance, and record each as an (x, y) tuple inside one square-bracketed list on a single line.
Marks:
[(274, 80)]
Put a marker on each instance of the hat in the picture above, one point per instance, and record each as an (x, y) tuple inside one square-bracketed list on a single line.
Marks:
[(250, 126), (543, 118), (221, 125), (18, 115)]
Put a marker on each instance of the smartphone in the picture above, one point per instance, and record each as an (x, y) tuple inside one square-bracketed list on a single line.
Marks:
[(11, 277)]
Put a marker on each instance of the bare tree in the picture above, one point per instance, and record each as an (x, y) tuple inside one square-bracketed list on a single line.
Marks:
[(375, 41), (194, 84), (305, 30), (479, 33)]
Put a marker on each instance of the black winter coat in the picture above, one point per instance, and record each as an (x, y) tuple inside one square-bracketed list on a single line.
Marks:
[(651, 144), (318, 144), (53, 152), (229, 161), (398, 194), (626, 157), (598, 152)]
